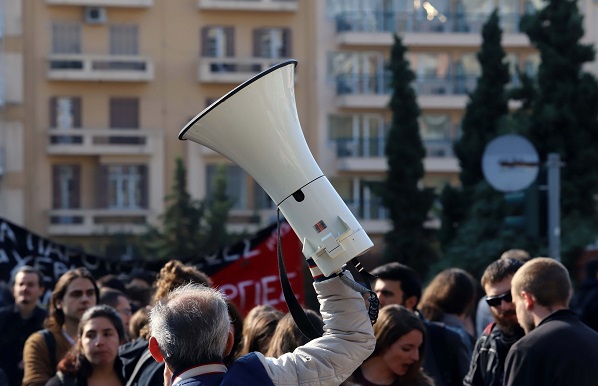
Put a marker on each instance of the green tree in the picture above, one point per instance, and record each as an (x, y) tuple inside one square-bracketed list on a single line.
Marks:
[(564, 116), (189, 228), (407, 203), (486, 108), (487, 104)]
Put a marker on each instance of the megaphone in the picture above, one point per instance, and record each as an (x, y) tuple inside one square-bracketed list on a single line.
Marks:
[(256, 126)]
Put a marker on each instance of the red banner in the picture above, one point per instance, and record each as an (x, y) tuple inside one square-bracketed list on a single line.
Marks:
[(247, 273)]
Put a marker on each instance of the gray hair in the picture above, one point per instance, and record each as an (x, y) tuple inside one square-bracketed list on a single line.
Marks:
[(191, 326)]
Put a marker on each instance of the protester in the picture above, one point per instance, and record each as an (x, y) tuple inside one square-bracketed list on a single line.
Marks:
[(399, 351), (287, 335), (487, 364), (138, 366), (558, 349), (94, 360), (138, 321), (447, 358), (119, 301), (449, 298), (258, 328), (585, 301), (74, 292), (483, 316), (191, 333), (20, 320)]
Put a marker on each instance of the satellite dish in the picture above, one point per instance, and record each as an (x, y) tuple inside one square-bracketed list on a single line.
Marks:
[(510, 163)]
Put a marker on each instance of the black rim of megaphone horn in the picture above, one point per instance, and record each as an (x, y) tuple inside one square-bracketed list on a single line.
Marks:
[(233, 92)]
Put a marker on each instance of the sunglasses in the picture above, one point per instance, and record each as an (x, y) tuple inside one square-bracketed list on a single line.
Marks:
[(496, 300)]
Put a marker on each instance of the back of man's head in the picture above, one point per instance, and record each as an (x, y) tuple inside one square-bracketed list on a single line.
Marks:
[(546, 279), (517, 254), (410, 283), (191, 326)]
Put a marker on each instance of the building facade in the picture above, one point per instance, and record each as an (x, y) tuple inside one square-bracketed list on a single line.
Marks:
[(106, 85)]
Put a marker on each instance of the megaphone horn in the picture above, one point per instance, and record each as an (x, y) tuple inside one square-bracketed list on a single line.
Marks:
[(256, 126)]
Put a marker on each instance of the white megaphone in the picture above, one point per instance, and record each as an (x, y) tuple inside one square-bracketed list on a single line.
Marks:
[(256, 126)]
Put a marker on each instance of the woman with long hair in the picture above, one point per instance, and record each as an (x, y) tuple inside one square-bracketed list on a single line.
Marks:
[(397, 358), (94, 360)]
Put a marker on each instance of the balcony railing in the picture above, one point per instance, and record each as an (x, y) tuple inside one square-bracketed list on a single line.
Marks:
[(116, 68), (421, 22), (97, 221), (379, 84), (375, 147), (249, 5), (232, 69), (102, 141), (104, 3)]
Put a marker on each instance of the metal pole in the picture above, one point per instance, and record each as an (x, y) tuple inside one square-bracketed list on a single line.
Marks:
[(554, 210)]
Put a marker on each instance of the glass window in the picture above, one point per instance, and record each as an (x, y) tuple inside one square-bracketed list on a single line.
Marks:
[(359, 135), (66, 38), (124, 40), (125, 184), (272, 42), (236, 184)]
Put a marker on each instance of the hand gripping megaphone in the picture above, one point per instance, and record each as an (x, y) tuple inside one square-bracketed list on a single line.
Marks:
[(256, 126)]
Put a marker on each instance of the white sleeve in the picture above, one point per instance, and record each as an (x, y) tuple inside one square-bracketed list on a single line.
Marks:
[(347, 341)]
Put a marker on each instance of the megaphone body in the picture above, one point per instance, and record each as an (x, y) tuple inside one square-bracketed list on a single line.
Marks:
[(256, 125)]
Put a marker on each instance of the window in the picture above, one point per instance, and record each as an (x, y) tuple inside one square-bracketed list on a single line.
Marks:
[(65, 113), (272, 43), (358, 72), (66, 38), (357, 194), (124, 40), (436, 136), (360, 135), (66, 192), (124, 114), (126, 186), (217, 42), (236, 184)]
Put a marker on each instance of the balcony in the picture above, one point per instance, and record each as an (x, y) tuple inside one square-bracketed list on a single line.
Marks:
[(110, 68), (103, 141), (81, 222), (232, 70), (368, 155), (373, 91), (423, 29), (249, 5), (372, 216), (104, 3)]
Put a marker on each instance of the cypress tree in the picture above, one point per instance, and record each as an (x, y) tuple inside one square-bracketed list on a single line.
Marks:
[(408, 204)]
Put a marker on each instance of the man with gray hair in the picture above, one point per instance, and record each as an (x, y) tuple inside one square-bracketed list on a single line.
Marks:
[(191, 332), (558, 349)]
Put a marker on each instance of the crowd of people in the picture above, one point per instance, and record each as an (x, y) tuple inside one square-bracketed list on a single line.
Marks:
[(175, 328)]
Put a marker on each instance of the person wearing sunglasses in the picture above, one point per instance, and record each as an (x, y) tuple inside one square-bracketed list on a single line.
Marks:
[(487, 362)]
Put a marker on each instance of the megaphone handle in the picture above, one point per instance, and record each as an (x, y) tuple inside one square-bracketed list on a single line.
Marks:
[(299, 316)]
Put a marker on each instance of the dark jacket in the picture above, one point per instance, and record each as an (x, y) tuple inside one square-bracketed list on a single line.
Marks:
[(14, 331), (560, 351), (446, 358), (585, 303), (149, 373), (488, 361)]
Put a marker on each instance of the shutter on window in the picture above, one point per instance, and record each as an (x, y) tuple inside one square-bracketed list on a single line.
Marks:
[(56, 186), (230, 41), (287, 43), (53, 113), (257, 33), (76, 106), (144, 186), (75, 196), (204, 42), (124, 113), (102, 190)]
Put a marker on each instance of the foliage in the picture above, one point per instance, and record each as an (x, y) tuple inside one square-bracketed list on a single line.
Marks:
[(189, 228), (408, 204), (564, 116)]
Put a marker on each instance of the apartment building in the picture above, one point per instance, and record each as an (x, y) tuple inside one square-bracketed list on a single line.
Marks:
[(108, 84)]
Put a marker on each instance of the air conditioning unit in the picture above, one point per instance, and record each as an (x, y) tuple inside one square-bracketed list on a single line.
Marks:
[(95, 15)]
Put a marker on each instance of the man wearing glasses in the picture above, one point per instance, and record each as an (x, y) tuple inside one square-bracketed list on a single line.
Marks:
[(487, 363)]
